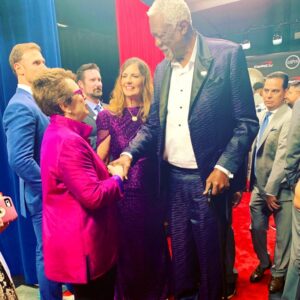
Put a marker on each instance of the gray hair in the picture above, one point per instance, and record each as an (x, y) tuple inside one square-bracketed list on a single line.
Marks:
[(174, 11), (295, 84)]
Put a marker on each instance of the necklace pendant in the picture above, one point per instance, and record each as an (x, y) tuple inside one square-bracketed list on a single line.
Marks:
[(134, 118)]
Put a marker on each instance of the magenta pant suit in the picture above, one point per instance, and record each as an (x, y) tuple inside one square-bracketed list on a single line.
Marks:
[(79, 205)]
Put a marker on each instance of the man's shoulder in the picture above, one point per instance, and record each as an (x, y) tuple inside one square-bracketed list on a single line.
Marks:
[(285, 112), (221, 47), (21, 98), (215, 42)]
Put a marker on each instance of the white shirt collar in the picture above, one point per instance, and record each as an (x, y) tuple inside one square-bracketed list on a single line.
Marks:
[(25, 87)]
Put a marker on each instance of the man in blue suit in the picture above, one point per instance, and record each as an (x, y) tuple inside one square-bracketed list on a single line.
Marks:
[(202, 123), (24, 125)]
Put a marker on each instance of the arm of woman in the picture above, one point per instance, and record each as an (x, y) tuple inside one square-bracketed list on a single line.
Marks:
[(103, 149), (297, 195), (103, 135), (78, 172)]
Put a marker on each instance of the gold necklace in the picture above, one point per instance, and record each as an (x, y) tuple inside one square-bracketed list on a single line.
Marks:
[(134, 118)]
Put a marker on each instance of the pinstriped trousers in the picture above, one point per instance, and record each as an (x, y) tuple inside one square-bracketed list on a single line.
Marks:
[(195, 232)]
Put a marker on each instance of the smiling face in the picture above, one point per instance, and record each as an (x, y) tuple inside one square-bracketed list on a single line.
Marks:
[(169, 39), (132, 83), (77, 109), (273, 93)]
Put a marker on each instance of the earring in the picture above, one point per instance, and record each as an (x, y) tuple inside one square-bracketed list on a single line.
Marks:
[(69, 112)]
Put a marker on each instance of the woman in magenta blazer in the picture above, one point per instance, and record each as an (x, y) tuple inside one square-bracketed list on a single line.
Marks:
[(79, 196)]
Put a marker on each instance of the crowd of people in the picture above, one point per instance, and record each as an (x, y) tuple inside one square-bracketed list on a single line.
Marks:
[(162, 158)]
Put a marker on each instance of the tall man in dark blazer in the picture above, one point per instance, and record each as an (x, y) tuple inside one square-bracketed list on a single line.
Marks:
[(292, 171), (202, 123), (271, 193), (89, 80), (24, 125)]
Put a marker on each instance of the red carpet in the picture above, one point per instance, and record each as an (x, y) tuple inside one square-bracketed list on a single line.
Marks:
[(246, 259)]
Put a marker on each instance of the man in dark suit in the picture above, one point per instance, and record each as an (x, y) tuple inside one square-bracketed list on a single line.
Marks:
[(24, 125), (89, 80), (202, 123), (292, 170), (271, 193)]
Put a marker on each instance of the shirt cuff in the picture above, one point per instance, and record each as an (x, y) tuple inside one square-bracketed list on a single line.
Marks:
[(228, 173), (126, 153), (119, 182)]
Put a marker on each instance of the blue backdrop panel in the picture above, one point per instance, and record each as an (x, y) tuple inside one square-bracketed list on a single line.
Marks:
[(21, 21)]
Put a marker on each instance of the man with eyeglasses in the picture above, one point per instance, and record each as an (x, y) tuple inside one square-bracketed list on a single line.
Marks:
[(271, 193)]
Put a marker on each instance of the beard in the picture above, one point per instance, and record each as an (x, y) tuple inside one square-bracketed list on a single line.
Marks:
[(97, 93)]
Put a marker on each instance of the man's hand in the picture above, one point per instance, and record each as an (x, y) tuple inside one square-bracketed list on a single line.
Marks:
[(219, 182), (125, 162), (236, 199), (272, 202)]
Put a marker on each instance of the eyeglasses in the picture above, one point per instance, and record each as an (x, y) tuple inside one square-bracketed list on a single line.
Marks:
[(79, 92)]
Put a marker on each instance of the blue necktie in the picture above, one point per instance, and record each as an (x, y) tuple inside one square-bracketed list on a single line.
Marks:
[(261, 131), (98, 108), (264, 125)]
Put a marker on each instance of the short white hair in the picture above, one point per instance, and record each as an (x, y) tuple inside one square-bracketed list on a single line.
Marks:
[(174, 11)]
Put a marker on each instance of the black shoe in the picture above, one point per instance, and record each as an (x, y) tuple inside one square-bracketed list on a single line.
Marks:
[(276, 284), (230, 290), (259, 272)]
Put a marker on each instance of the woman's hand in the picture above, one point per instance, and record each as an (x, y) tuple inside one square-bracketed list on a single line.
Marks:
[(116, 170), (297, 195), (3, 225)]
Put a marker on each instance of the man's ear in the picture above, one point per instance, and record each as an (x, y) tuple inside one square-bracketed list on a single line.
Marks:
[(183, 27), (80, 84), (19, 69)]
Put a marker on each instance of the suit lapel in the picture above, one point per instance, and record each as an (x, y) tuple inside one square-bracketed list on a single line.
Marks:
[(202, 65), (275, 119), (164, 93)]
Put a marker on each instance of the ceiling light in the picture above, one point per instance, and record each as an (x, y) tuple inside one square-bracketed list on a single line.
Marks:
[(277, 39), (62, 25), (246, 44)]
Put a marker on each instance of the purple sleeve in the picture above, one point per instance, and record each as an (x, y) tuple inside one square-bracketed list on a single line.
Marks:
[(103, 126)]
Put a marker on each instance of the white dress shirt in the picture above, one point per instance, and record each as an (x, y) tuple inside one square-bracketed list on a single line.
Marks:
[(178, 145), (25, 87)]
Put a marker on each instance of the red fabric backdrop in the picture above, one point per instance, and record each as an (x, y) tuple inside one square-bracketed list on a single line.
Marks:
[(134, 34)]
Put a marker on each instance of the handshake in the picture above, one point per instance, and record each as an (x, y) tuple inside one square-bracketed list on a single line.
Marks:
[(120, 166)]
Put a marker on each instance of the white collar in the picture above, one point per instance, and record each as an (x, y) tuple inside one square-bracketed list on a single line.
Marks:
[(25, 87)]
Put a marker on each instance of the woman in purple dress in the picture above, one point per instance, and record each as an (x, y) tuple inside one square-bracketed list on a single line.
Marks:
[(142, 266)]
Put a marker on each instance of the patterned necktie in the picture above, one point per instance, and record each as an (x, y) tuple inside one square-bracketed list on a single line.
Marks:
[(97, 108), (264, 125)]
